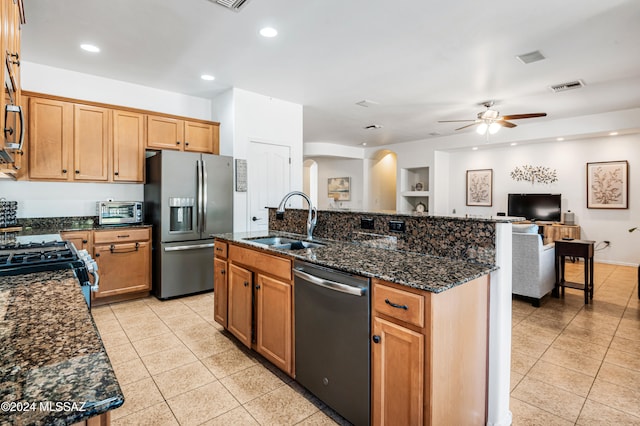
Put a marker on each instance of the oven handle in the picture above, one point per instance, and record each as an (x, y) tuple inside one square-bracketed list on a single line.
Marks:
[(331, 285), (95, 287)]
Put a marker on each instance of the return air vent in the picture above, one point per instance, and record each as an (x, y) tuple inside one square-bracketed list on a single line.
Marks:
[(234, 5), (567, 86), (530, 57)]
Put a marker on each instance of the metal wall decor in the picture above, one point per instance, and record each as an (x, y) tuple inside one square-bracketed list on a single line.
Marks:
[(608, 185), (534, 174)]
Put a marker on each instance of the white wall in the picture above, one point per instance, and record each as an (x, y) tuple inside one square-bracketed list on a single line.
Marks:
[(260, 118), (381, 184), (51, 199), (569, 158)]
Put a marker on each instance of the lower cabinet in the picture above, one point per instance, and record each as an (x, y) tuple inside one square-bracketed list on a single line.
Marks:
[(124, 263), (259, 303), (82, 240), (220, 291), (429, 354)]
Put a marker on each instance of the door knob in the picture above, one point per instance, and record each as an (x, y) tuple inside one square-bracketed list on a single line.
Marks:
[(255, 218)]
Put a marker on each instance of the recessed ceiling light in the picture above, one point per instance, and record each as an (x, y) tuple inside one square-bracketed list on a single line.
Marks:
[(560, 139), (514, 143), (475, 148), (207, 77), (613, 134), (90, 48), (268, 32), (364, 144)]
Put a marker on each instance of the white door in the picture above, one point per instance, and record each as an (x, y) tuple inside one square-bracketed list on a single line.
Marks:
[(269, 175)]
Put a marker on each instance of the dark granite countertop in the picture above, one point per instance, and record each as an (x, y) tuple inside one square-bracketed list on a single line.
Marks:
[(424, 272), (52, 362), (30, 230)]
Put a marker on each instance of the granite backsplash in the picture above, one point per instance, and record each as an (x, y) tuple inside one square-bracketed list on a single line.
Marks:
[(469, 239)]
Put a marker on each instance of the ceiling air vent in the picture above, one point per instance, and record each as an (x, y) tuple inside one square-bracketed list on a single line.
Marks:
[(567, 86), (234, 5), (530, 57), (373, 126)]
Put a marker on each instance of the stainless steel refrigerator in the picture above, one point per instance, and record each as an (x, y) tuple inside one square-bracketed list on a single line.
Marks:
[(188, 196)]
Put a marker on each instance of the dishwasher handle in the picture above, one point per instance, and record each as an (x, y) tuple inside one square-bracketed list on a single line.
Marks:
[(331, 285)]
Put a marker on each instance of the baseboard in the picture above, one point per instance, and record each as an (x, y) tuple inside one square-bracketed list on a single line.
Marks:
[(611, 262)]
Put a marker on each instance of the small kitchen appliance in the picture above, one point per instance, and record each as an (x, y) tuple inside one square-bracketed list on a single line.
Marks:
[(119, 212)]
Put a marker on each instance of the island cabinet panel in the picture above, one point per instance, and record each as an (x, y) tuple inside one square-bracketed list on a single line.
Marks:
[(454, 325), (124, 263), (50, 139), (91, 143), (255, 259), (397, 365), (220, 291), (274, 321), (128, 146), (239, 314)]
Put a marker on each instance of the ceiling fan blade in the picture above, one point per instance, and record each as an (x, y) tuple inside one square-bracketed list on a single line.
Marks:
[(505, 123), (468, 125), (519, 116), (453, 121)]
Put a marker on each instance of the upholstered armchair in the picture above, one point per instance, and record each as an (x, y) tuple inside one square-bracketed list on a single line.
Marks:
[(533, 264)]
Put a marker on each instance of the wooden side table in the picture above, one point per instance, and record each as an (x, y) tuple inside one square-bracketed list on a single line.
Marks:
[(574, 248)]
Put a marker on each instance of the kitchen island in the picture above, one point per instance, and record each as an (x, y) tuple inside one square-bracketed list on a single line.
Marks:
[(54, 369)]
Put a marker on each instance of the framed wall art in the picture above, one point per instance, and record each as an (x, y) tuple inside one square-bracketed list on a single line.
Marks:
[(608, 185), (480, 187), (339, 188)]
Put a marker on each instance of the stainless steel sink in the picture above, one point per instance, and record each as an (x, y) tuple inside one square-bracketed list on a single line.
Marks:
[(284, 243)]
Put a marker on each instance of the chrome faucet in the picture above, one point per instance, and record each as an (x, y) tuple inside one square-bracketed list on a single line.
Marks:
[(313, 212)]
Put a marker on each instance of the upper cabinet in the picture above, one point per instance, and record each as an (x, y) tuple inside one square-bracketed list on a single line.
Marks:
[(182, 135), (128, 146), (91, 143)]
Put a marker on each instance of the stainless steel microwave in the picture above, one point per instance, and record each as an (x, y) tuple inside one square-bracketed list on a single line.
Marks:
[(119, 212)]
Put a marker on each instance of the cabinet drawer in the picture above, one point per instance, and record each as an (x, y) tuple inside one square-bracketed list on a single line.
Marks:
[(274, 265), (220, 249), (403, 305), (121, 235)]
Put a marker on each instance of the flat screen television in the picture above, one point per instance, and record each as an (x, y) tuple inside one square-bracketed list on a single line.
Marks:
[(535, 207)]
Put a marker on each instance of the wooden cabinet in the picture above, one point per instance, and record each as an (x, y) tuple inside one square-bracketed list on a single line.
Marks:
[(128, 146), (91, 143), (555, 232), (220, 283), (259, 302), (182, 135), (124, 263), (50, 139), (397, 368), (240, 303), (83, 240), (429, 354)]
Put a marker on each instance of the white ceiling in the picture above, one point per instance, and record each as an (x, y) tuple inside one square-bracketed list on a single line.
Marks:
[(421, 61)]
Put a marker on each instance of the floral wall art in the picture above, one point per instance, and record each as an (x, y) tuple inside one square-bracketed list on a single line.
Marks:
[(534, 174), (608, 185), (480, 187)]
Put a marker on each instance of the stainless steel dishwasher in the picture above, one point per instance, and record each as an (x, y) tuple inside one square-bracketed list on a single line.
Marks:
[(332, 324)]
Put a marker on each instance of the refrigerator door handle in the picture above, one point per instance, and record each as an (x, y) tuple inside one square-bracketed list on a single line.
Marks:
[(204, 196), (199, 195), (189, 247)]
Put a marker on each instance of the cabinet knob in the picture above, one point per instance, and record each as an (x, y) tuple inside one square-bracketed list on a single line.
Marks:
[(376, 339), (177, 142), (258, 287), (64, 170), (97, 255), (186, 143), (222, 272), (116, 173), (246, 283), (77, 172), (84, 241)]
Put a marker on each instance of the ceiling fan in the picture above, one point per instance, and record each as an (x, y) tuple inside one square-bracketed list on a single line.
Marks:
[(490, 120)]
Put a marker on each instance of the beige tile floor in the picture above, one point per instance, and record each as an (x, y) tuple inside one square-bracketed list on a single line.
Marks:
[(576, 364), (571, 364)]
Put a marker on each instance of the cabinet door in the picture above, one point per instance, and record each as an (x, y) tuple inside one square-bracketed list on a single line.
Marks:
[(80, 239), (198, 137), (239, 314), (220, 291), (273, 321), (123, 268), (164, 133), (128, 146), (50, 139), (397, 375), (91, 142)]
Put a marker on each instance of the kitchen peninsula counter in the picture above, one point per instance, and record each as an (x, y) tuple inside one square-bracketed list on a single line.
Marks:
[(53, 365), (416, 270)]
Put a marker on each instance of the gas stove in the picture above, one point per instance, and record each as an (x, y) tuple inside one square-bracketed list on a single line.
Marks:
[(39, 256)]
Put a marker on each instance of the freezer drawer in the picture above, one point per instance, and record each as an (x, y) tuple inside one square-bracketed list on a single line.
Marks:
[(183, 268)]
